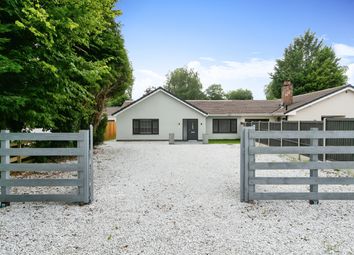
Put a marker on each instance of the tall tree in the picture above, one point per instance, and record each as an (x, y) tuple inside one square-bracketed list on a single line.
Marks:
[(184, 83), (60, 61), (215, 92), (309, 64), (117, 83), (119, 99), (239, 94)]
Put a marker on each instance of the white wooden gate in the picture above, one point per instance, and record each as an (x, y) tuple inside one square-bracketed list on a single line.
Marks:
[(249, 165), (83, 166)]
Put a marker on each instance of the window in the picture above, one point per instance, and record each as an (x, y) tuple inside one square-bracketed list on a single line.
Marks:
[(145, 127), (256, 120), (224, 125)]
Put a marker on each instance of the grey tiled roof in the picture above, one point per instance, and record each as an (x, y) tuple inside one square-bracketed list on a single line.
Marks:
[(271, 107), (237, 106), (111, 110)]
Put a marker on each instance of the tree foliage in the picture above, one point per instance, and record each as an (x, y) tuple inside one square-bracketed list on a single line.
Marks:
[(184, 83), (309, 64), (215, 92), (119, 99), (149, 90), (60, 61), (239, 94)]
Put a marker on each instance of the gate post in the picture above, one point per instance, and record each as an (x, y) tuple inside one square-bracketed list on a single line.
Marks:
[(251, 161), (314, 172), (4, 175), (242, 165), (245, 172), (245, 179), (83, 160), (91, 163)]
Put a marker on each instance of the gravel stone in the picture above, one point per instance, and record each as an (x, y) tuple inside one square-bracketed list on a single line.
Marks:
[(155, 198)]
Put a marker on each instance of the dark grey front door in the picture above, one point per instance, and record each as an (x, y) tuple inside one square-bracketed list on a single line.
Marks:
[(192, 129)]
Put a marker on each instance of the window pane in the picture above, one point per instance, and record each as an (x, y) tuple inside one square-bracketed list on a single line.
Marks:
[(155, 126), (224, 126), (145, 126), (136, 129), (233, 126), (215, 126)]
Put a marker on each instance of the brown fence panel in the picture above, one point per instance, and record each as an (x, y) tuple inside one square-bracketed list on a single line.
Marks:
[(111, 129)]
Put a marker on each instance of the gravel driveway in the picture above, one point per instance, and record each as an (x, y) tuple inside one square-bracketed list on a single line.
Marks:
[(155, 198)]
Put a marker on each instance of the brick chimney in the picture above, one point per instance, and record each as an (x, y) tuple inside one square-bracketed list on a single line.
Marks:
[(287, 93)]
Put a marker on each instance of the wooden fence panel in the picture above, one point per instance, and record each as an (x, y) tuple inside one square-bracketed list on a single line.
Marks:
[(290, 126), (274, 126), (111, 129), (339, 124)]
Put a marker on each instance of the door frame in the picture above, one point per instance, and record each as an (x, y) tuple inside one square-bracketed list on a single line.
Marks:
[(185, 126)]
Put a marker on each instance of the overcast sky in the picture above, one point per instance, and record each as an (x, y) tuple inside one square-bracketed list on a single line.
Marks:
[(233, 43)]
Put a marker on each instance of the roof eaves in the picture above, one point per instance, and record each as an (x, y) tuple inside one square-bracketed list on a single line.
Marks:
[(320, 97)]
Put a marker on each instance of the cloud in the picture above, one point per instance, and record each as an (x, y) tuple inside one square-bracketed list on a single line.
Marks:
[(207, 59), (346, 53), (350, 73), (145, 78), (343, 50), (252, 74)]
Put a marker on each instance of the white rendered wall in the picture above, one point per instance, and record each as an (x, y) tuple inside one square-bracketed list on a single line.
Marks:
[(168, 110)]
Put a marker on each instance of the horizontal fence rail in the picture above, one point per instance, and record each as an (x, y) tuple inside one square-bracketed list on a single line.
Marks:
[(301, 180), (250, 149), (83, 166), (42, 136), (302, 165), (37, 167), (301, 134), (42, 152), (302, 196), (302, 150)]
